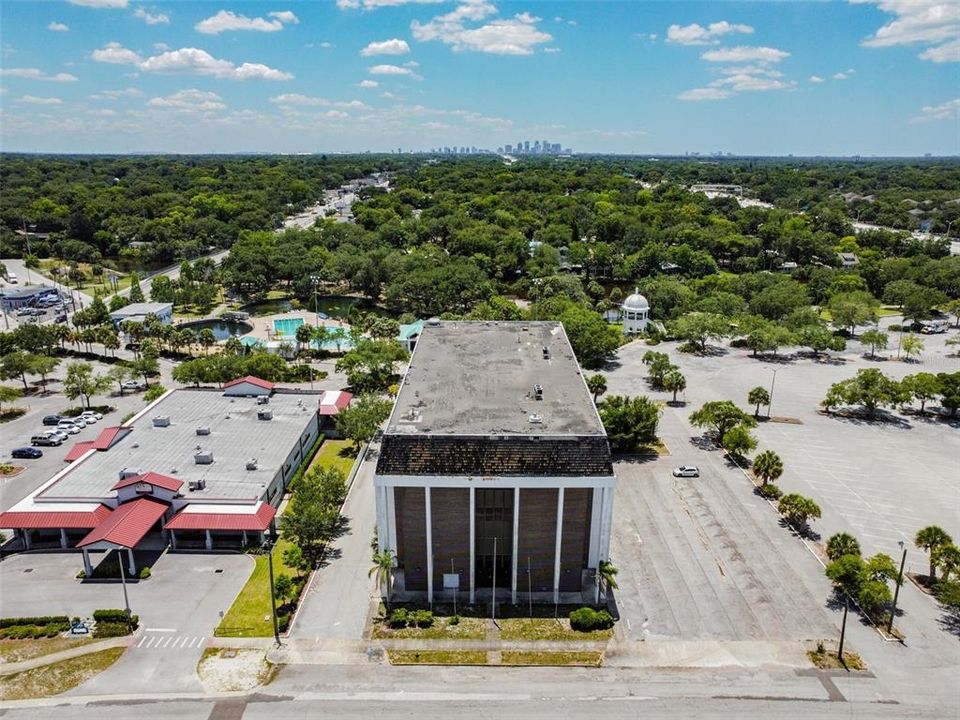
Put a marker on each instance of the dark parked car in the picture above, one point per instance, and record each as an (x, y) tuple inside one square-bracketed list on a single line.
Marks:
[(52, 420), (27, 453)]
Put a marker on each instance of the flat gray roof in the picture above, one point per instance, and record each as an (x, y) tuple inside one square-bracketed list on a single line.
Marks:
[(144, 308), (478, 378), (169, 450)]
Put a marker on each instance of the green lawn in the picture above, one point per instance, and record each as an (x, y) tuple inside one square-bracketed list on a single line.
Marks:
[(249, 616), (525, 657), (467, 628), (335, 453), (56, 678), (546, 629), (437, 657)]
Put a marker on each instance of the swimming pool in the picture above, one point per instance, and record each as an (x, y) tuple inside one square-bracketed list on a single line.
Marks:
[(287, 327)]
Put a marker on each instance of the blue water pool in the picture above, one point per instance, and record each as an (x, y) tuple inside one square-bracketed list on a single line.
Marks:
[(287, 327)]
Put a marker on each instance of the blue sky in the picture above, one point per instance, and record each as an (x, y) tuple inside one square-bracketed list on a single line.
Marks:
[(870, 77)]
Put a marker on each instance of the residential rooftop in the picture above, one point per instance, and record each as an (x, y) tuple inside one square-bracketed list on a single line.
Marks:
[(236, 435), (479, 378)]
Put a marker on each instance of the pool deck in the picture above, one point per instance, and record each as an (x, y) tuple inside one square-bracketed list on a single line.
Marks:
[(263, 326)]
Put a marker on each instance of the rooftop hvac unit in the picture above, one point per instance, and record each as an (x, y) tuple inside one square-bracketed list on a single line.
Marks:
[(197, 484), (129, 472), (546, 353), (252, 464), (263, 400), (161, 421), (203, 431), (538, 392), (536, 419), (264, 415), (203, 457)]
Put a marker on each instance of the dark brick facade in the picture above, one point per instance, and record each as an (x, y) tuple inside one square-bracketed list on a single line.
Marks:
[(537, 538), (575, 537), (412, 536), (450, 516)]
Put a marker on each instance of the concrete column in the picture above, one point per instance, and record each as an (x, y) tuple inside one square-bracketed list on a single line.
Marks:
[(131, 566), (209, 540), (243, 538), (391, 519), (426, 502), (516, 538), (606, 523), (63, 538), (383, 534), (556, 556), (593, 555), (87, 567), (473, 541), (26, 538), (173, 539)]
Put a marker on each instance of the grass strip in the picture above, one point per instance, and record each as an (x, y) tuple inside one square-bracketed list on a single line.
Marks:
[(437, 657), (56, 678)]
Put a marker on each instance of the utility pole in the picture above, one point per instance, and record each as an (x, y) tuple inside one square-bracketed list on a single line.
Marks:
[(896, 592), (770, 404), (843, 627), (273, 601), (493, 598)]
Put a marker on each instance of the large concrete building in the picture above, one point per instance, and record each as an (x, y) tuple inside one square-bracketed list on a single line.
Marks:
[(196, 469), (494, 471)]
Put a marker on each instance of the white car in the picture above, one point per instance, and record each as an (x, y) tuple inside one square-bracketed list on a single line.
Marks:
[(131, 385), (59, 433), (91, 417), (68, 427), (686, 471)]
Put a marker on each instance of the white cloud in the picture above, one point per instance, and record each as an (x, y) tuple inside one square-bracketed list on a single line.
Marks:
[(161, 47), (298, 100), (840, 76), (747, 82), (115, 4), (117, 94), (695, 34), (518, 35), (394, 46), (326, 45), (115, 54), (933, 23), (949, 110), (188, 61), (551, 49), (58, 27), (389, 70), (226, 21), (34, 100), (374, 4), (816, 79), (745, 53), (368, 84), (151, 18), (37, 74), (707, 93), (189, 100)]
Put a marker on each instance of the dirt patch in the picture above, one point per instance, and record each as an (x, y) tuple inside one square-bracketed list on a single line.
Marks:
[(13, 651), (232, 669), (56, 678)]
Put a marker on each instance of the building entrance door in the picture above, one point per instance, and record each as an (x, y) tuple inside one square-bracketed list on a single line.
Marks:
[(494, 537)]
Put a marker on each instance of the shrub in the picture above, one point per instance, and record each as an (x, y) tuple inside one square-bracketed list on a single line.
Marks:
[(39, 620), (79, 410), (114, 615), (454, 620), (283, 622), (421, 618), (112, 629), (770, 491), (586, 619), (145, 572), (399, 618)]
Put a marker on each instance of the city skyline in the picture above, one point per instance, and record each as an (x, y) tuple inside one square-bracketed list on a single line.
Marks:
[(868, 77)]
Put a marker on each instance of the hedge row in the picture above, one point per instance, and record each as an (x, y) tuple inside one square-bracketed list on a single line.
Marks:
[(39, 620), (116, 616), (586, 619)]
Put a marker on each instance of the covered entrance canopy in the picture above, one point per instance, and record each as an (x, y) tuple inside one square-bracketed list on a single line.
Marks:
[(124, 528)]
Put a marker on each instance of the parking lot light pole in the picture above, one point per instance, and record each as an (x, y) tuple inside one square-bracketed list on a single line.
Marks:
[(843, 627), (896, 592), (770, 399), (123, 583), (268, 547)]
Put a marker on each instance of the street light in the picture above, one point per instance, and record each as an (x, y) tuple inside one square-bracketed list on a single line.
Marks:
[(315, 279), (896, 592), (123, 583), (268, 548), (770, 399)]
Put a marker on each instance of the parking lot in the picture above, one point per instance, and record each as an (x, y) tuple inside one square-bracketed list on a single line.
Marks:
[(704, 558), (179, 607)]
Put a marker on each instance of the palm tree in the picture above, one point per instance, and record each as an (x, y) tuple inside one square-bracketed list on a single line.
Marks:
[(383, 569), (304, 334), (597, 385), (674, 381), (758, 396), (949, 561), (207, 339), (842, 544), (768, 466), (933, 539), (607, 572)]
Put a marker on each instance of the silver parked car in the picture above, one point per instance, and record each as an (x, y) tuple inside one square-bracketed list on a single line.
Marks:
[(686, 471)]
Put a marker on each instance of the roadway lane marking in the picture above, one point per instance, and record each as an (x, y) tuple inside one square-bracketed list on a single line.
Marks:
[(166, 630)]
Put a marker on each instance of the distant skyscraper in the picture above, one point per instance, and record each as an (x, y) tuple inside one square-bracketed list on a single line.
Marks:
[(508, 148), (526, 146)]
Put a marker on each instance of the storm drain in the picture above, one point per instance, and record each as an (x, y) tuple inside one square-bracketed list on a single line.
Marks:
[(218, 571), (28, 569)]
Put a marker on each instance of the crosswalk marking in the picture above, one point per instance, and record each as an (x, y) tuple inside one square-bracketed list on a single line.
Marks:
[(170, 642)]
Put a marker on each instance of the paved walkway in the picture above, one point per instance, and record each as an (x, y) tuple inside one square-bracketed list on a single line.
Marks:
[(85, 649)]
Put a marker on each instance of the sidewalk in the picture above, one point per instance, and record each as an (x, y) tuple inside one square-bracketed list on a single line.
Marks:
[(85, 649)]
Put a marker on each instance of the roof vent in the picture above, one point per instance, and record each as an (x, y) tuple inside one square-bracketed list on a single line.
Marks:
[(263, 400), (252, 464), (161, 421), (128, 472), (195, 485), (535, 419), (203, 430), (546, 353), (538, 392), (203, 457), (264, 415)]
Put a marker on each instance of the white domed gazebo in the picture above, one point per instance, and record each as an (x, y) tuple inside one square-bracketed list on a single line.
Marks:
[(636, 313)]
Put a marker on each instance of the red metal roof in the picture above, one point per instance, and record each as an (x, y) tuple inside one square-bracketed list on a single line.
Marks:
[(78, 449), (256, 521), (127, 525), (340, 403), (37, 519), (152, 478), (252, 380), (108, 436)]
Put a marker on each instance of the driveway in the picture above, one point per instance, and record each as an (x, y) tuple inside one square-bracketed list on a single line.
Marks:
[(179, 607), (338, 601)]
